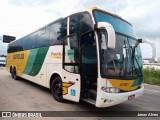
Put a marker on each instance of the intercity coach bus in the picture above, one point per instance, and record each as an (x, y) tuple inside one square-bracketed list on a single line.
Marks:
[(91, 55)]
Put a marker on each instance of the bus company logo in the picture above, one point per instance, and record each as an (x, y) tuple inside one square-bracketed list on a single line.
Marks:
[(56, 55), (18, 56), (124, 84)]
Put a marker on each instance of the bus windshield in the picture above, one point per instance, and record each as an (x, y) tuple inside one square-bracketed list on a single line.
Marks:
[(125, 61), (119, 25)]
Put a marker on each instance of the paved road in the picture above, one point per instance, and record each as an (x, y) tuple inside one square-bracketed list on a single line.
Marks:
[(22, 95)]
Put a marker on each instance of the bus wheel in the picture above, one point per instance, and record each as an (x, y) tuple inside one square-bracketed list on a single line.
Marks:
[(56, 89), (14, 75)]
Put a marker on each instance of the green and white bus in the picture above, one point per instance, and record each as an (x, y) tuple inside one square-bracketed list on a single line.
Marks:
[(91, 55)]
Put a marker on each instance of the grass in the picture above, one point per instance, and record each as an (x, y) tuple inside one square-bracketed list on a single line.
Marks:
[(151, 76)]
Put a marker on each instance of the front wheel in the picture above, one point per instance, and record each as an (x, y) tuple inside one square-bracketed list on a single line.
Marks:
[(56, 89)]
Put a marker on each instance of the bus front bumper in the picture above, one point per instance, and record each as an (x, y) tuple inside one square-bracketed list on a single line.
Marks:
[(109, 99)]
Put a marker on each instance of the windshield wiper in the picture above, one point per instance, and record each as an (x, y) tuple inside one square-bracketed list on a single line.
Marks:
[(134, 58)]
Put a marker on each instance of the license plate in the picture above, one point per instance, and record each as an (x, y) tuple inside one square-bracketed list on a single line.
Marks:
[(131, 97)]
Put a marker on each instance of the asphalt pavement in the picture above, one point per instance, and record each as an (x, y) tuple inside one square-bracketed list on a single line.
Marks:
[(22, 95)]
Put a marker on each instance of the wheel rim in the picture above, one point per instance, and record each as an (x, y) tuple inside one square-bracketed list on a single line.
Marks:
[(58, 89)]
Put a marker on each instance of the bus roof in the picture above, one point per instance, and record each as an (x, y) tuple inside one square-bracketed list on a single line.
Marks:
[(89, 9)]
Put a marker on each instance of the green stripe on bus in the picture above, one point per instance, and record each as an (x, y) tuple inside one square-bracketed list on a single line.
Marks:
[(41, 54), (35, 61), (30, 61), (137, 82)]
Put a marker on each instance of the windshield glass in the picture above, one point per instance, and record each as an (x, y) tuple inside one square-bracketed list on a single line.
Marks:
[(119, 25), (123, 61)]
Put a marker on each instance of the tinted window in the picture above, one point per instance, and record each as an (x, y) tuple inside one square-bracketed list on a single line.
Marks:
[(24, 43), (74, 23), (119, 25), (14, 46), (86, 23), (9, 50), (32, 40), (57, 32), (42, 37), (89, 48), (71, 56), (19, 45)]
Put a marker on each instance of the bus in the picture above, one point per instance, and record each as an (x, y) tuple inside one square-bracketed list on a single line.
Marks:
[(91, 55), (2, 61)]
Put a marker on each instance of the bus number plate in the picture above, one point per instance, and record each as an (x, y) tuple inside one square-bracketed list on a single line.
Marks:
[(131, 97)]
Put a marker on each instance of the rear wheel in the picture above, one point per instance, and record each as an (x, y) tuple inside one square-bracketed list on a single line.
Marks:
[(11, 71), (14, 74), (56, 89)]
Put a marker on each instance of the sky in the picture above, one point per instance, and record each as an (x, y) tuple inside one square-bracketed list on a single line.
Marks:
[(21, 17)]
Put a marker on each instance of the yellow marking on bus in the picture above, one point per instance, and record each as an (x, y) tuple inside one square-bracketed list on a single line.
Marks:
[(56, 57), (65, 87), (123, 84), (19, 60)]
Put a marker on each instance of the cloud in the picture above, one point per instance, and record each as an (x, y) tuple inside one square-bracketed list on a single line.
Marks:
[(144, 17), (20, 17), (109, 5), (19, 20), (143, 14), (30, 3)]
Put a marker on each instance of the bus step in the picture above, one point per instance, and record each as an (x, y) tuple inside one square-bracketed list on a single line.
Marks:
[(93, 91), (94, 86), (92, 94), (90, 101)]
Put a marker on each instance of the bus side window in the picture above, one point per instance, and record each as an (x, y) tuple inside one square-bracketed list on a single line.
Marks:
[(9, 49), (57, 32), (19, 45), (86, 23), (25, 43), (74, 23), (32, 41), (42, 37), (70, 51)]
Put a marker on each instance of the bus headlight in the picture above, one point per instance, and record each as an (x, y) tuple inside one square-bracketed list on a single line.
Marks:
[(110, 89)]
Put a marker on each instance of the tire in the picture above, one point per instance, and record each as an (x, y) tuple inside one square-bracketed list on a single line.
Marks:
[(56, 89), (14, 74)]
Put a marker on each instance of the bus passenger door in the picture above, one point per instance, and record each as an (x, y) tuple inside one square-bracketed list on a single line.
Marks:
[(71, 77), (89, 67)]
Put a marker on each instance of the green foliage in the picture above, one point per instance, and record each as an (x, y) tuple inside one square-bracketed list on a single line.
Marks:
[(151, 76)]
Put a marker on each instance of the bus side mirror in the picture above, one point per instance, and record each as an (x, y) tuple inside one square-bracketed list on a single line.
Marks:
[(152, 45), (110, 33)]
